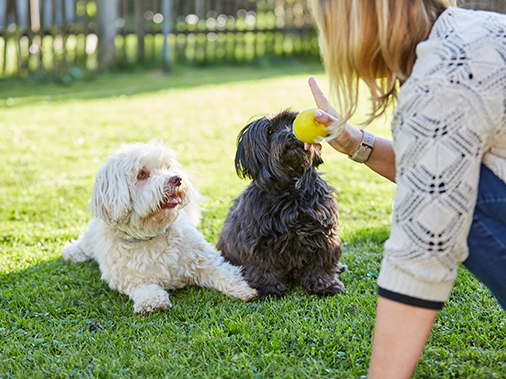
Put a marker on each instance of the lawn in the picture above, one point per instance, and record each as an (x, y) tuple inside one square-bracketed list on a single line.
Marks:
[(59, 320)]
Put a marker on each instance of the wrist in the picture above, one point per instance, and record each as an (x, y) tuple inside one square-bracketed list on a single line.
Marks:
[(347, 141), (356, 137), (363, 152)]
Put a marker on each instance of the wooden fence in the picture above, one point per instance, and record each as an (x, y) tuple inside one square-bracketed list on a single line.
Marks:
[(489, 5), (62, 36), (67, 38)]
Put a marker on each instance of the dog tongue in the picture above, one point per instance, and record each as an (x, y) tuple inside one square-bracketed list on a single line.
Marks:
[(171, 202), (174, 200)]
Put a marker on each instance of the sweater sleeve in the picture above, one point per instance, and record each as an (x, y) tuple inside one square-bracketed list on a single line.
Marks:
[(450, 116), (438, 156)]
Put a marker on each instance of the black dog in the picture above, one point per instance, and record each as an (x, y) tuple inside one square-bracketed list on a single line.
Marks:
[(284, 226)]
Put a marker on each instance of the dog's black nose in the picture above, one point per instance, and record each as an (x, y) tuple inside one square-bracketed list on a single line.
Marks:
[(175, 180)]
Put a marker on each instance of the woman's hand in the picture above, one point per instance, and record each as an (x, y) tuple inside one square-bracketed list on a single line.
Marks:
[(343, 137), (346, 139)]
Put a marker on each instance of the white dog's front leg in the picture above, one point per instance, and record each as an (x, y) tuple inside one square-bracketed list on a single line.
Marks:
[(228, 279), (149, 298), (73, 252), (223, 276)]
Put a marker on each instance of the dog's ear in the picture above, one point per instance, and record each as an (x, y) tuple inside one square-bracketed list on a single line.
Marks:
[(110, 200), (241, 160), (253, 150)]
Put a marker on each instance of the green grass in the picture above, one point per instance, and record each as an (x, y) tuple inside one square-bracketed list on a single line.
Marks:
[(60, 320)]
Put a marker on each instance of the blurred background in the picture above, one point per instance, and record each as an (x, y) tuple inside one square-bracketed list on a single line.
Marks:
[(69, 39)]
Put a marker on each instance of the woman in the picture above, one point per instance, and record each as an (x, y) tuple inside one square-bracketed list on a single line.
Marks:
[(449, 146)]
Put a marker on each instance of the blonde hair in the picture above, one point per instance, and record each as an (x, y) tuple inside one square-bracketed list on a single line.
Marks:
[(373, 41)]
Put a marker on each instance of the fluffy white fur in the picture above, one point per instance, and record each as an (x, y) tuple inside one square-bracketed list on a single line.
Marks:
[(143, 233)]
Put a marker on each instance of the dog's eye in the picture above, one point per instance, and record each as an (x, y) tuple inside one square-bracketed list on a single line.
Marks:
[(270, 131), (143, 175)]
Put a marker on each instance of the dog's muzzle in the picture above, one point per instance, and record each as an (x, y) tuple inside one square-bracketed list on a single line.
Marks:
[(171, 199)]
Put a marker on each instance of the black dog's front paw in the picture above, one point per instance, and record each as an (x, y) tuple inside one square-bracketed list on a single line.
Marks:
[(341, 268), (274, 291), (333, 289), (324, 286)]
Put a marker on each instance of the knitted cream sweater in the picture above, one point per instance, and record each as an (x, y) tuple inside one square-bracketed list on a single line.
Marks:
[(450, 117)]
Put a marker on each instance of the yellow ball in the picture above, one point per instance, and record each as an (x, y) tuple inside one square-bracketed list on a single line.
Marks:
[(306, 128)]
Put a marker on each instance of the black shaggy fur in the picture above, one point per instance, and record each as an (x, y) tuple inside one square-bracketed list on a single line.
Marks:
[(284, 226)]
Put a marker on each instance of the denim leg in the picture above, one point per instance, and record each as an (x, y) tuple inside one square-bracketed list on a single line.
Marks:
[(487, 237)]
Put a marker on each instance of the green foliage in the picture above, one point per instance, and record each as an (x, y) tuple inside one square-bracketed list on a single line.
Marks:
[(61, 320)]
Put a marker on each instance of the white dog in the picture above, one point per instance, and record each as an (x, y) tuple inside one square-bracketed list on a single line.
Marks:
[(143, 239)]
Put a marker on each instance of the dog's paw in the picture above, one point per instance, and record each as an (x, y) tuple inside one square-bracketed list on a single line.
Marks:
[(245, 293), (73, 253), (155, 304), (334, 289), (341, 268), (324, 286), (274, 292)]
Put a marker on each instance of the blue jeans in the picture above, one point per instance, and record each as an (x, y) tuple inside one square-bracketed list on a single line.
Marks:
[(487, 237)]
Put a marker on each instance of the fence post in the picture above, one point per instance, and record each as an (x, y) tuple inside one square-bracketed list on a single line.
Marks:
[(139, 9), (107, 12), (166, 29)]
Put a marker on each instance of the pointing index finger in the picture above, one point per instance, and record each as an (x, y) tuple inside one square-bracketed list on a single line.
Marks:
[(319, 97)]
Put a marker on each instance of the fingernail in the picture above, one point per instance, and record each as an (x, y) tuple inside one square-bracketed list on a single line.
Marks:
[(317, 113)]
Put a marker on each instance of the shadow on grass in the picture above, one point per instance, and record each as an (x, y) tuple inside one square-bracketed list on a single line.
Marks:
[(18, 92), (65, 290), (57, 288), (62, 289)]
